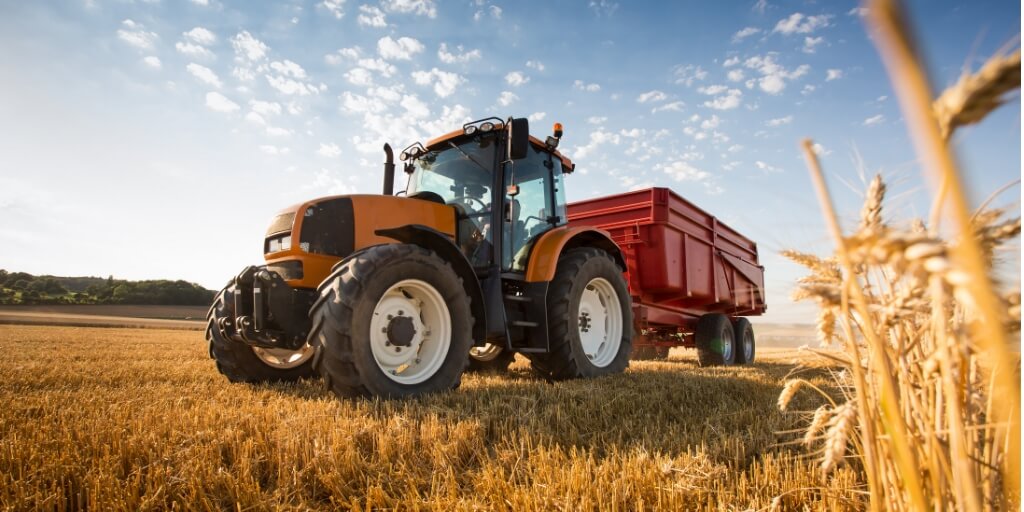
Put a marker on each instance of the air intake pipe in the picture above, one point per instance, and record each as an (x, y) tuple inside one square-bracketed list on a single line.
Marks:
[(389, 170)]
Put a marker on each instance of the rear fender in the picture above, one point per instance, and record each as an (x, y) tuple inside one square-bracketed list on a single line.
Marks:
[(551, 245), (440, 243)]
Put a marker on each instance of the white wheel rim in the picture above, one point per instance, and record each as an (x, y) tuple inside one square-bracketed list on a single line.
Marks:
[(600, 322), (410, 359), (748, 345), (284, 359), (488, 352)]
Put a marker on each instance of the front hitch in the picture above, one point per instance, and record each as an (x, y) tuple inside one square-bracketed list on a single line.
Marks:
[(268, 312)]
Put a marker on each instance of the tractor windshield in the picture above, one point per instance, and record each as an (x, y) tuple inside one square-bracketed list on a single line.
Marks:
[(459, 173), (462, 175)]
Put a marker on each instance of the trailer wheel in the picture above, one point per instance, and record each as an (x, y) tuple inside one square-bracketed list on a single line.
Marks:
[(745, 344), (490, 358), (715, 340), (392, 320), (590, 318), (242, 363)]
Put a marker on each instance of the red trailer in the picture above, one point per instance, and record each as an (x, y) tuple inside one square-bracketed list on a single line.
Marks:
[(687, 273)]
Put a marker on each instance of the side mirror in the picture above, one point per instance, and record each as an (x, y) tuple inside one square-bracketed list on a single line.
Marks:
[(518, 138)]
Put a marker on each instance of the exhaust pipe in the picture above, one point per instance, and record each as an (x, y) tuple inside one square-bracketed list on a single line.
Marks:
[(389, 170)]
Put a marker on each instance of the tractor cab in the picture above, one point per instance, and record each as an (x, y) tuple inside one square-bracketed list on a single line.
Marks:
[(506, 195)]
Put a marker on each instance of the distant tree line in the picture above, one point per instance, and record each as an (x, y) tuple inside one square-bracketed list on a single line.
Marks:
[(24, 288)]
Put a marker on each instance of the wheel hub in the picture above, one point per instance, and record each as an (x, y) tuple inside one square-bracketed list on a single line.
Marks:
[(401, 331), (585, 322)]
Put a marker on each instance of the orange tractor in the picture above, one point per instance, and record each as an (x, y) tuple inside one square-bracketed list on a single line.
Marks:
[(386, 295)]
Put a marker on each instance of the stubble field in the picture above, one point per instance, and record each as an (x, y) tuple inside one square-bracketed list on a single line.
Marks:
[(139, 419)]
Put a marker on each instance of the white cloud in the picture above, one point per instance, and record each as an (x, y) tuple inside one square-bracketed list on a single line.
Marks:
[(219, 103), (603, 7), (675, 106), (330, 150), (598, 138), (193, 50), (274, 150), (580, 85), (445, 83), (833, 74), (379, 65), (774, 76), (357, 104), (537, 116), (204, 74), (265, 107), (808, 89), (255, 118), (335, 7), (401, 49), (248, 47), (682, 170), (495, 12), (420, 7), (821, 150), (203, 3), (731, 61), (291, 87), (798, 23), (735, 75), (136, 35), (360, 77), (811, 44), (857, 11), (415, 108), (535, 64), (343, 53), (326, 181), (507, 98), (461, 57), (873, 120), (200, 35), (779, 121), (653, 96), (766, 167), (688, 74), (516, 79), (727, 101), (370, 16), (745, 33), (760, 6), (712, 90), (710, 123), (289, 68), (596, 119), (275, 131), (152, 61)]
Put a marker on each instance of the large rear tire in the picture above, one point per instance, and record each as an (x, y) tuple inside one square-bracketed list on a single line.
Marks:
[(746, 346), (393, 321), (715, 340), (490, 358), (242, 363), (590, 318)]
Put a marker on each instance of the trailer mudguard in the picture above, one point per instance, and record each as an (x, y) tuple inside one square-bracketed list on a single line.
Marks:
[(430, 238), (550, 246)]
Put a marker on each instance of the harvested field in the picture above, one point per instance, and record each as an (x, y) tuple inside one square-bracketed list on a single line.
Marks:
[(137, 419)]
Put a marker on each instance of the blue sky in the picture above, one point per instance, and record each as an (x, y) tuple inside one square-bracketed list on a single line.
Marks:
[(155, 139)]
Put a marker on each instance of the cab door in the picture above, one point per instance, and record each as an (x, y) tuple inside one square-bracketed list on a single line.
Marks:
[(538, 207)]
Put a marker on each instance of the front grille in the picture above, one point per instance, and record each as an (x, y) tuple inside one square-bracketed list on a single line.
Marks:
[(287, 269), (281, 223), (327, 228)]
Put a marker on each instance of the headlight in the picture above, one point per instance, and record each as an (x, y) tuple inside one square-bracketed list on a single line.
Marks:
[(281, 243)]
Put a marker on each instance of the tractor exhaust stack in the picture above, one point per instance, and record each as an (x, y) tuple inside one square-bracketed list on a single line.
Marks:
[(389, 170)]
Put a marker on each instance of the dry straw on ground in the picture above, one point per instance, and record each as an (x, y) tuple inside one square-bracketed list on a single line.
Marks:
[(932, 395)]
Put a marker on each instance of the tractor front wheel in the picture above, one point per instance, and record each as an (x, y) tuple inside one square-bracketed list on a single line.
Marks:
[(394, 321)]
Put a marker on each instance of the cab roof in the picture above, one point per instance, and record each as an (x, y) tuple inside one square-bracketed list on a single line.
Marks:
[(567, 165)]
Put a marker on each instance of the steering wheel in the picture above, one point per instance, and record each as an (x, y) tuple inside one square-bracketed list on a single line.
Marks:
[(467, 199)]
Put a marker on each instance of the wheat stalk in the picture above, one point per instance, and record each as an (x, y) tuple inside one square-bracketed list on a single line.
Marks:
[(974, 96)]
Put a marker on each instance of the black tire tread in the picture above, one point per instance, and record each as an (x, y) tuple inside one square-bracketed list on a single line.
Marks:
[(739, 325), (709, 327)]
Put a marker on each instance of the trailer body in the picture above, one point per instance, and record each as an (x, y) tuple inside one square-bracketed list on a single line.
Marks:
[(681, 261)]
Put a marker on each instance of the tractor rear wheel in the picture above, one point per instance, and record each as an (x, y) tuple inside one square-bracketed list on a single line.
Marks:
[(715, 340), (242, 363), (490, 358), (394, 321), (590, 318), (745, 344)]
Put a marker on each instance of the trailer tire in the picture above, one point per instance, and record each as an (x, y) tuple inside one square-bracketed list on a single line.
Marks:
[(365, 340), (715, 340), (746, 346), (242, 363), (572, 316), (490, 358)]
